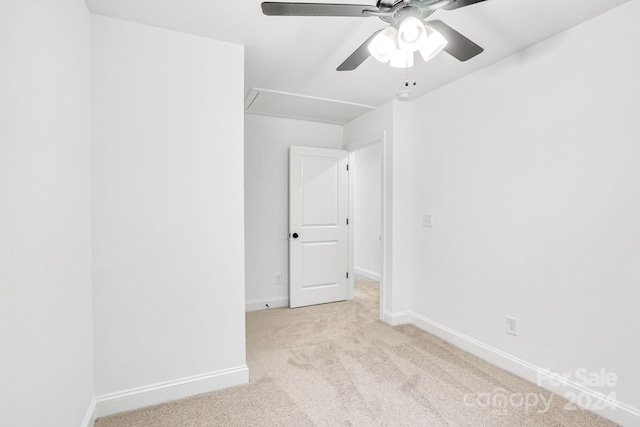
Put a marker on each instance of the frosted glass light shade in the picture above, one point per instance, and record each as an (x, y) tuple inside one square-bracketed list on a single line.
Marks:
[(401, 59), (411, 34), (433, 44), (383, 46)]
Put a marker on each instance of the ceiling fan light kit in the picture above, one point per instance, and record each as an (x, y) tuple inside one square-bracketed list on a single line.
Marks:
[(397, 46), (407, 33)]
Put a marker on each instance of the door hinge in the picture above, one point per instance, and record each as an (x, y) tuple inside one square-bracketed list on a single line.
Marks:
[(347, 167), (347, 274), (347, 221)]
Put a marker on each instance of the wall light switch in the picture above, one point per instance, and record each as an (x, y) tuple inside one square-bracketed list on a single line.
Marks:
[(426, 220), (512, 326)]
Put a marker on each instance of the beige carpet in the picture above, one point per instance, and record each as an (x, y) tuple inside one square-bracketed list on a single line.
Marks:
[(336, 365)]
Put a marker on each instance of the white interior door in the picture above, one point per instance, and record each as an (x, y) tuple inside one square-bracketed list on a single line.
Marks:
[(318, 230)]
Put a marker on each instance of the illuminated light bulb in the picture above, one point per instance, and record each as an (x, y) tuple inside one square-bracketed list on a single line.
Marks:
[(411, 34), (384, 44), (401, 59), (433, 44)]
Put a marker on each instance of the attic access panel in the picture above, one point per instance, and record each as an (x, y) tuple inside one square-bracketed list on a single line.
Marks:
[(289, 105)]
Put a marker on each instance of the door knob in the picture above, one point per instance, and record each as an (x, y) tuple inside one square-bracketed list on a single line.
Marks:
[(294, 235)]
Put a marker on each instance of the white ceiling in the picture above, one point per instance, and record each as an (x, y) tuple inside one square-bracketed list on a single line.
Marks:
[(299, 55)]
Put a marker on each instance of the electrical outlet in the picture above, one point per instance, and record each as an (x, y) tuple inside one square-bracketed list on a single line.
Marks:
[(426, 220), (512, 326), (279, 279)]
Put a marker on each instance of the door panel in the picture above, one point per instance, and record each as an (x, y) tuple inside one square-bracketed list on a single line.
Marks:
[(319, 262), (318, 207), (320, 202)]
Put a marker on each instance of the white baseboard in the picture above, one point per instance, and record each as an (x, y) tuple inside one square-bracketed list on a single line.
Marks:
[(612, 409), (366, 273), (395, 319), (261, 304), (141, 397), (91, 415)]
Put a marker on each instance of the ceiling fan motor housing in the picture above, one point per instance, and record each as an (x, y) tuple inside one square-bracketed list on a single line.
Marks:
[(400, 10)]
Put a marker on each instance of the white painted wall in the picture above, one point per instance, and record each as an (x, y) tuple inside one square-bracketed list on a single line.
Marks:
[(366, 173), (266, 165), (167, 128), (534, 188), (46, 350), (402, 256)]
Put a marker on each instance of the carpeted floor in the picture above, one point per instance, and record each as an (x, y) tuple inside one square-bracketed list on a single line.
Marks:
[(336, 365)]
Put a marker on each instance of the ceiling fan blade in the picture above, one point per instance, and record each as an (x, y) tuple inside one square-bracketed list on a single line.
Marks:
[(457, 4), (358, 56), (458, 45), (315, 9)]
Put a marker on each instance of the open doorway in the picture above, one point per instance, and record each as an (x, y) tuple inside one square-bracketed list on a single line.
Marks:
[(366, 200), (323, 243)]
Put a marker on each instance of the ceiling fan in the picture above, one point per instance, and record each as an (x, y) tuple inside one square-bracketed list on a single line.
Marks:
[(407, 31)]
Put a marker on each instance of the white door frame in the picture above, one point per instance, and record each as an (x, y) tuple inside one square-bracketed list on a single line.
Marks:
[(384, 189)]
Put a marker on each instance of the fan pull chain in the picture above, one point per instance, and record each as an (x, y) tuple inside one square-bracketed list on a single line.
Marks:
[(406, 77)]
